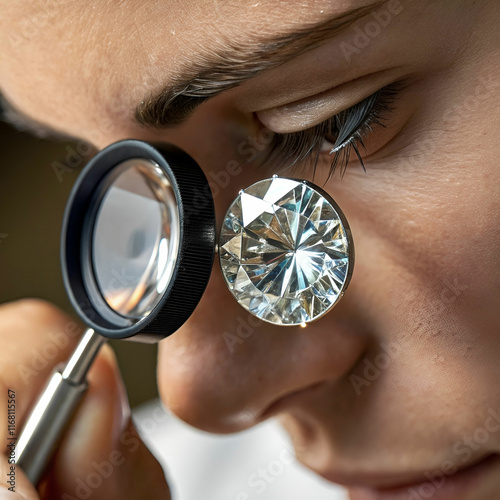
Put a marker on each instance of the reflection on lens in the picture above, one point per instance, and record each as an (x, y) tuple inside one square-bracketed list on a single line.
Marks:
[(136, 239)]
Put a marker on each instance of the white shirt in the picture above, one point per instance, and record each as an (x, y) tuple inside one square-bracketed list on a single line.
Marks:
[(255, 464)]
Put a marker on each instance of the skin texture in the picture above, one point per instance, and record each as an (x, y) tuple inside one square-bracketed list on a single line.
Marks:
[(425, 219)]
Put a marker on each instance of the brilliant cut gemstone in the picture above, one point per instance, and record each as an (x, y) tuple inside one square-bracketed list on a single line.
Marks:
[(284, 251)]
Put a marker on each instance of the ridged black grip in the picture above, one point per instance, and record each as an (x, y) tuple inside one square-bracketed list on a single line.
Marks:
[(196, 253)]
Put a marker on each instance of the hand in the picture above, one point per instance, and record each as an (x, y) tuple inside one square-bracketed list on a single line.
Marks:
[(101, 455)]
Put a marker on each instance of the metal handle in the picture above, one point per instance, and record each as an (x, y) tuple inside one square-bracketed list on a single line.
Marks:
[(55, 407)]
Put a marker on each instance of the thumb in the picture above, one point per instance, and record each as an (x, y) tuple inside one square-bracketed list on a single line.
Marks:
[(102, 456), (20, 487)]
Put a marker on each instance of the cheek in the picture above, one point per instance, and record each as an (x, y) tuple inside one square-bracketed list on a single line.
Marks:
[(433, 228), (426, 279)]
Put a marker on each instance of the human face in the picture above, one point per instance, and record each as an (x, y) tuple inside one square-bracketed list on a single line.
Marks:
[(400, 382)]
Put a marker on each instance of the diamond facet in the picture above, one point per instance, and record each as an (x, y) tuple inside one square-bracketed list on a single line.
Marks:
[(285, 251)]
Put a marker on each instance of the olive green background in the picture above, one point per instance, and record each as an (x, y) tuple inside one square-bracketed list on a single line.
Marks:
[(32, 201)]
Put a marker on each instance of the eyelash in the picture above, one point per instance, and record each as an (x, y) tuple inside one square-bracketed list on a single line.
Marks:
[(347, 129)]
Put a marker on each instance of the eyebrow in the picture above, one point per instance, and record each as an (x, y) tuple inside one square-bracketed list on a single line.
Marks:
[(233, 65), (211, 75)]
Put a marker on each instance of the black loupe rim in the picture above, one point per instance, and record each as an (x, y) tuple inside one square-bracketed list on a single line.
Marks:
[(196, 242)]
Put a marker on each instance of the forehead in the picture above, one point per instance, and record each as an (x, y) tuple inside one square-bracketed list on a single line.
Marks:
[(83, 55)]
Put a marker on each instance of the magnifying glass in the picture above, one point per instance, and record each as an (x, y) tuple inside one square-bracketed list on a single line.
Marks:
[(137, 250), (138, 241)]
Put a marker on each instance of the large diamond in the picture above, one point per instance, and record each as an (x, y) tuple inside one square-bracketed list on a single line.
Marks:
[(284, 251)]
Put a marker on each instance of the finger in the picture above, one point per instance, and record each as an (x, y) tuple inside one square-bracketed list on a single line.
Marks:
[(34, 337), (13, 481), (102, 456)]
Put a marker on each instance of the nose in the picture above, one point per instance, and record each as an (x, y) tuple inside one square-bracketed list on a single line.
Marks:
[(225, 368)]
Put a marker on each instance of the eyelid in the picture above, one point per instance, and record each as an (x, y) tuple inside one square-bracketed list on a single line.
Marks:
[(311, 111), (349, 128)]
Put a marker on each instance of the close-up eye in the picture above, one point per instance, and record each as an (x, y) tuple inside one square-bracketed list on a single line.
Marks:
[(338, 139)]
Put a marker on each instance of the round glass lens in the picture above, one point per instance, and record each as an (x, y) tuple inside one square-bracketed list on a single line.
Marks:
[(136, 239)]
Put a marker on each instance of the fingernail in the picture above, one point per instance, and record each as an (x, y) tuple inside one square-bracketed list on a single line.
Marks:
[(5, 494)]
